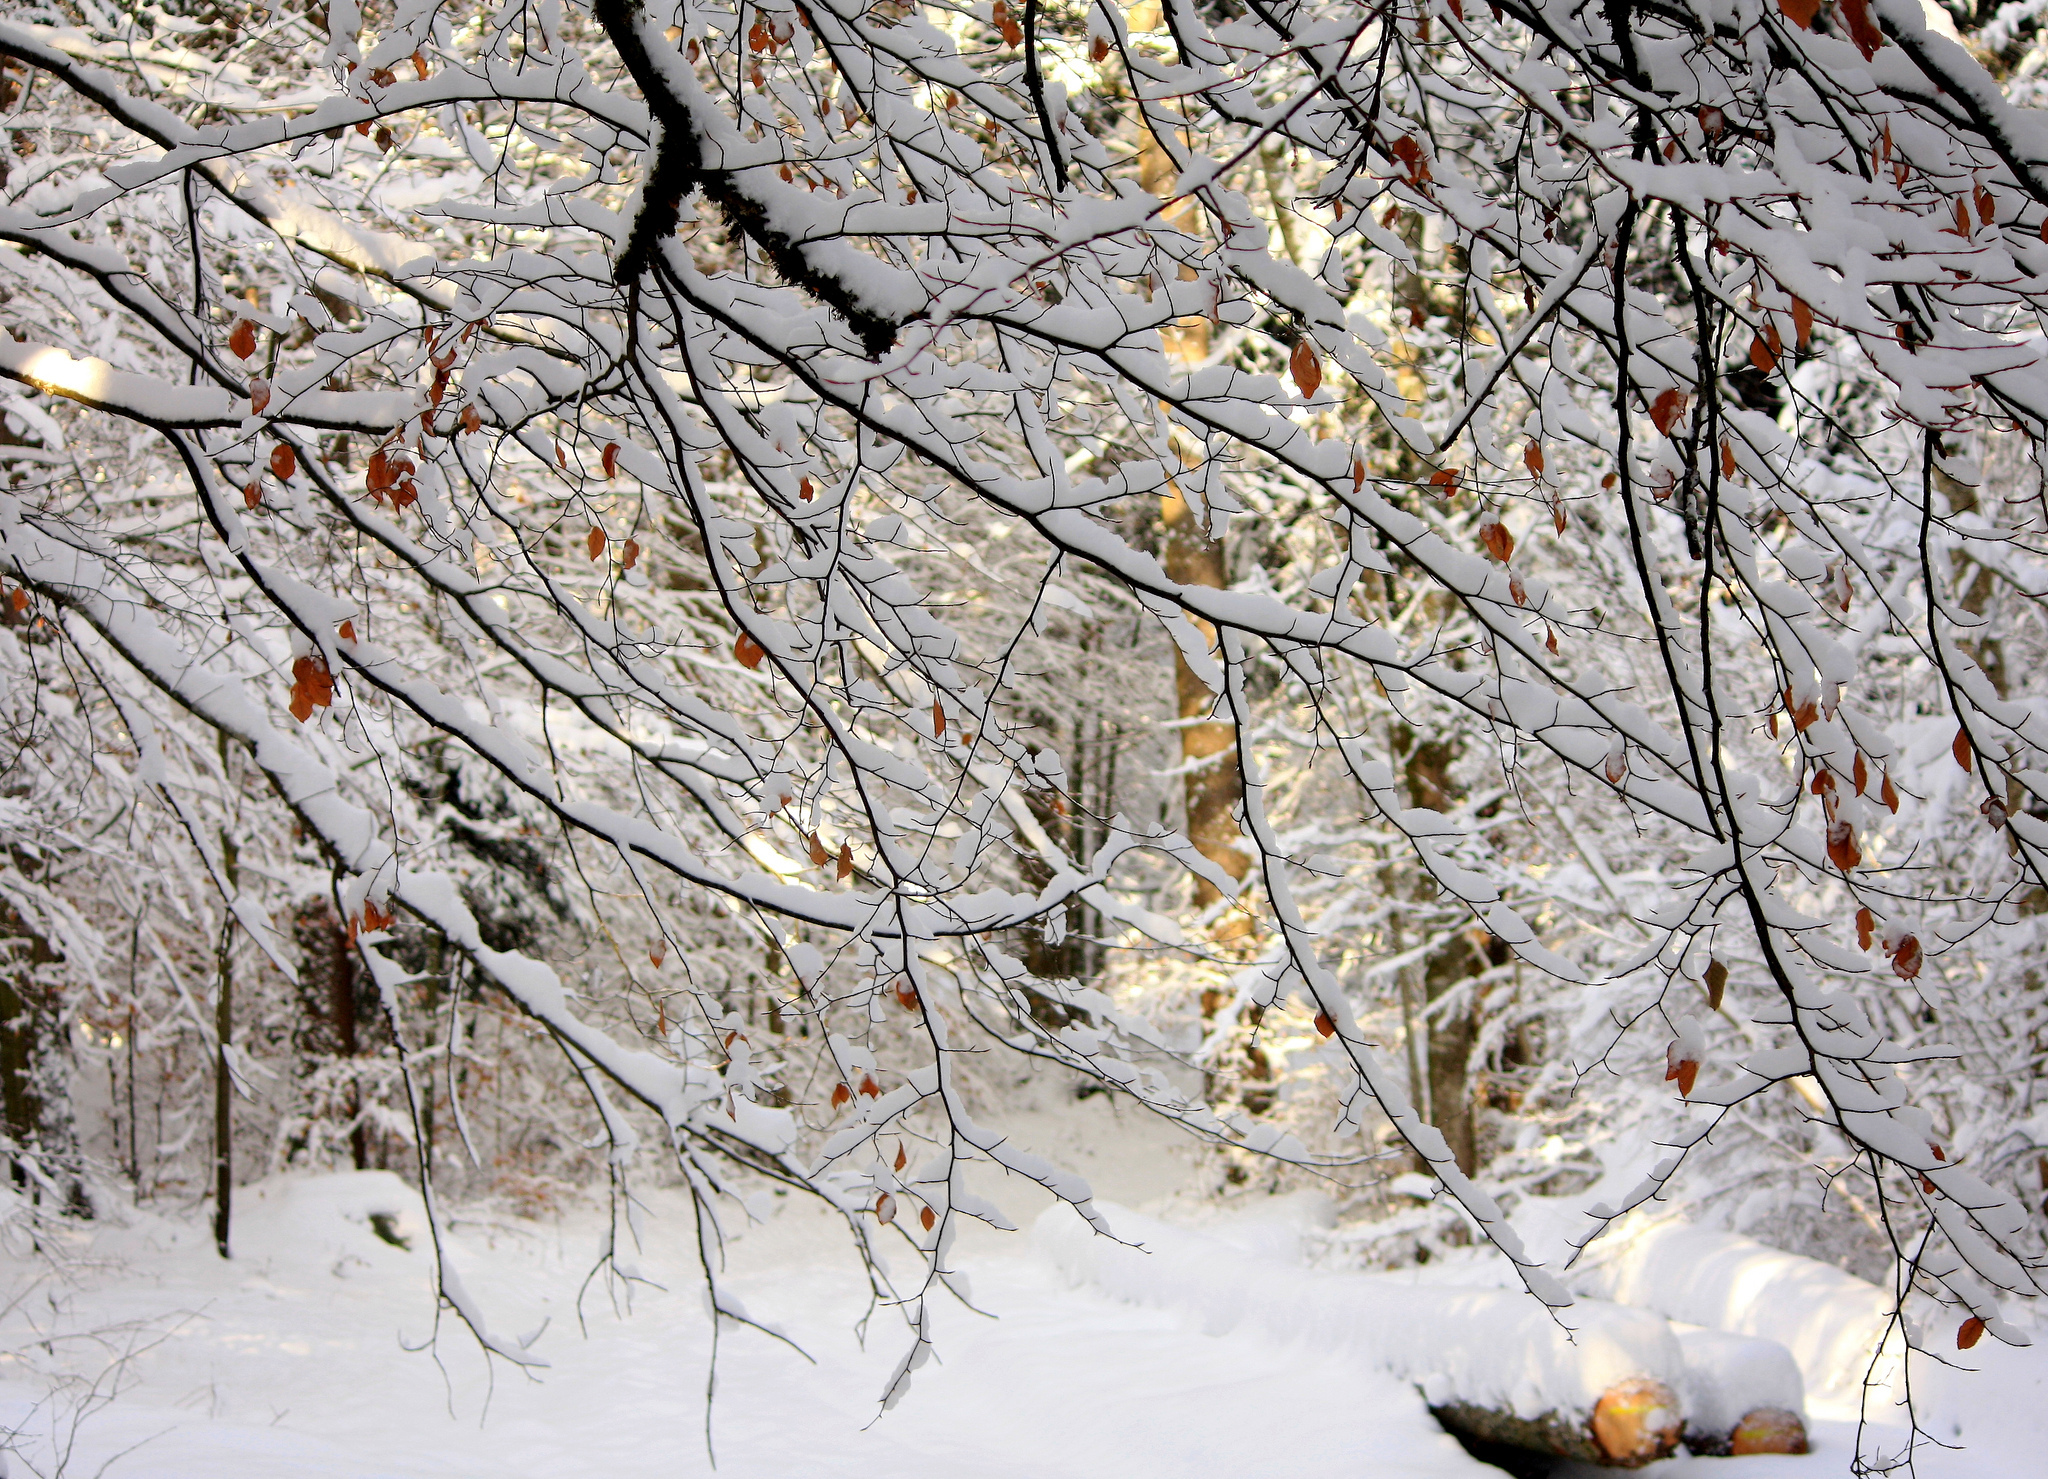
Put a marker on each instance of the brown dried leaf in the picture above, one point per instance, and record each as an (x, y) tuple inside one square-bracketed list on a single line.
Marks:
[(242, 339), (1308, 370), (1963, 751), (1499, 543), (1907, 959), (747, 652), (1842, 849), (1717, 984), (283, 462), (1969, 1333)]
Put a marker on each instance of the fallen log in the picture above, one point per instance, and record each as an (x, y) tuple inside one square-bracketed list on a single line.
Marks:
[(1635, 1422), (1741, 1394), (1595, 1382)]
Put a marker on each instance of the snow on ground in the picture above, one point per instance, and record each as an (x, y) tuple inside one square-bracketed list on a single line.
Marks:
[(296, 1360), (290, 1363)]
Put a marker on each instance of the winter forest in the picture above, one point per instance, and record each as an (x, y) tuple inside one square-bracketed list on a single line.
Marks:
[(662, 662)]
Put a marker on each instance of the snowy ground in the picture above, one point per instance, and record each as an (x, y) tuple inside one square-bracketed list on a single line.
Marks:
[(292, 1362)]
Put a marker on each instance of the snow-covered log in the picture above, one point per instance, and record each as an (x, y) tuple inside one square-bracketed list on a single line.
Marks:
[(1741, 1394), (1831, 1322), (1595, 1382)]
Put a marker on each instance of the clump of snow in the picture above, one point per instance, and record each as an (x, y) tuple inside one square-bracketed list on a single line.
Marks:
[(370, 1216)]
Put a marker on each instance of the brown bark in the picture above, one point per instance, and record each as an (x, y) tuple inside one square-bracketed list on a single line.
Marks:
[(1452, 1031), (21, 1033), (1634, 1423), (1213, 786), (223, 1074)]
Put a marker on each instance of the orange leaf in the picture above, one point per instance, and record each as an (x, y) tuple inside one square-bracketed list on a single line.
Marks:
[(242, 341), (611, 460), (1842, 849), (348, 631), (885, 1209), (841, 1095), (1097, 53), (1800, 12), (1861, 774), (259, 395), (659, 953), (18, 599), (1862, 29), (1532, 458), (906, 996), (1802, 321), (926, 1216), (595, 543), (252, 495), (938, 719), (630, 555), (1727, 459), (1324, 1025), (845, 860), (1666, 411), (1969, 1333), (470, 420), (901, 1159), (283, 462), (1550, 640), (1987, 206), (1357, 474), (419, 66), (1866, 927), (869, 1087), (819, 857), (1499, 543), (1308, 371), (747, 652), (806, 490), (1961, 749), (1717, 984), (1760, 354), (1688, 1075), (1906, 960)]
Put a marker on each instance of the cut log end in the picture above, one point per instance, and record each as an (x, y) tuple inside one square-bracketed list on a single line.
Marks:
[(1637, 1422), (1768, 1430)]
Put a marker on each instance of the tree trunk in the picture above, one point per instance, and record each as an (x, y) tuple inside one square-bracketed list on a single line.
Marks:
[(1447, 1040), (223, 1071), (1213, 786)]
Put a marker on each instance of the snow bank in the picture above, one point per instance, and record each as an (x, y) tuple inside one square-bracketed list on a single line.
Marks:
[(1830, 1321), (1492, 1348), (370, 1216)]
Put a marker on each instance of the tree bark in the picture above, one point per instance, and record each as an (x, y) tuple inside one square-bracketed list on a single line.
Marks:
[(223, 1071)]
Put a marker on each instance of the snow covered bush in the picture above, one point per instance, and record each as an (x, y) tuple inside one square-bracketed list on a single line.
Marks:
[(710, 497)]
